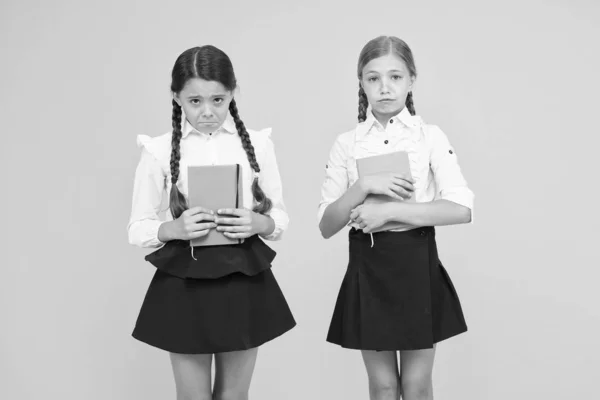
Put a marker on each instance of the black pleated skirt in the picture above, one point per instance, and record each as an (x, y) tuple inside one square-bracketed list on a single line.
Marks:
[(193, 307), (396, 295)]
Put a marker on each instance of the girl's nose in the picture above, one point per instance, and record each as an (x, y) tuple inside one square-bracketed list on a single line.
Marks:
[(207, 112), (384, 86)]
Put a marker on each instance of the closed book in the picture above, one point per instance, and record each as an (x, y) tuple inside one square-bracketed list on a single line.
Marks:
[(215, 187), (396, 162)]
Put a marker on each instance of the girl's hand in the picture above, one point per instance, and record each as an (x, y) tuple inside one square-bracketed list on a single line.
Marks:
[(370, 216), (239, 223), (193, 223), (397, 186)]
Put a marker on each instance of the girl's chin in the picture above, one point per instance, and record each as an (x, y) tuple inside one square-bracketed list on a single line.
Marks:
[(392, 108), (206, 128)]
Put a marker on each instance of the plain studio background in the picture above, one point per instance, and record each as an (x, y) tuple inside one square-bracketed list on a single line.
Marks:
[(514, 85)]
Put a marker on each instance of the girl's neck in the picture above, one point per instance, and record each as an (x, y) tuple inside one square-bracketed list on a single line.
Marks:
[(383, 119)]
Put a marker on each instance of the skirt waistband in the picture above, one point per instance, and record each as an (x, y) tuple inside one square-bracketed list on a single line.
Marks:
[(210, 262), (391, 237)]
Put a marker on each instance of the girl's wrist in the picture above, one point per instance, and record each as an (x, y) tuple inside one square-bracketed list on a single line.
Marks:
[(392, 211), (165, 233), (362, 187), (266, 225)]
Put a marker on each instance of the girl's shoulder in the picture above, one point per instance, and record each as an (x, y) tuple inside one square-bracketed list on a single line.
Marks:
[(432, 133), (347, 138), (423, 130), (261, 141), (158, 146), (260, 138), (419, 125)]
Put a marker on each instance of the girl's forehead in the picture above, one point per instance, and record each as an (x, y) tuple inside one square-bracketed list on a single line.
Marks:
[(389, 62), (201, 87)]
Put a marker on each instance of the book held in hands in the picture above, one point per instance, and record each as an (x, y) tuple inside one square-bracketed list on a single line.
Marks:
[(396, 162), (215, 187)]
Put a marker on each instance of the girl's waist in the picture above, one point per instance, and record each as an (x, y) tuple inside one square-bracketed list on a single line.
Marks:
[(178, 258)]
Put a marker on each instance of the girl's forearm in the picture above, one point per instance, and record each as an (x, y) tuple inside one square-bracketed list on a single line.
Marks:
[(337, 214), (434, 213)]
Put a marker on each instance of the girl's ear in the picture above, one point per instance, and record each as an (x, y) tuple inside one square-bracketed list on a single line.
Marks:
[(412, 82), (176, 98)]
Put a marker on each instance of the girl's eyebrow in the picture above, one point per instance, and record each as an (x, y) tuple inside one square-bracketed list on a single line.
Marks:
[(194, 95), (392, 70)]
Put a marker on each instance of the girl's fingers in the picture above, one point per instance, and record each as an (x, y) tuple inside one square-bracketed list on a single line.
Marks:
[(393, 194), (238, 212), (404, 195), (203, 226), (234, 228), (240, 235), (401, 191), (197, 234), (355, 212), (203, 217), (404, 177), (231, 221), (197, 210), (404, 183)]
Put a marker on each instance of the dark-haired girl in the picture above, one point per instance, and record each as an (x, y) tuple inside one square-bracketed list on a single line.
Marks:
[(396, 296), (217, 300)]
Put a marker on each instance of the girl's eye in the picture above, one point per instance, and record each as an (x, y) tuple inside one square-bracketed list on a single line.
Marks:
[(372, 79), (218, 100), (396, 77), (195, 102)]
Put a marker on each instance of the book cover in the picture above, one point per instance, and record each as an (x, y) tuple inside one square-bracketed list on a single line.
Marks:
[(215, 187)]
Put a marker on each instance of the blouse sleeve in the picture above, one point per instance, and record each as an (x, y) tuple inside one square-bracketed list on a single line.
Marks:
[(148, 188), (336, 177), (450, 182), (270, 182)]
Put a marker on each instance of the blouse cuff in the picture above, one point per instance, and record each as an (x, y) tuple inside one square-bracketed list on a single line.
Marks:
[(281, 220), (462, 196), (145, 234)]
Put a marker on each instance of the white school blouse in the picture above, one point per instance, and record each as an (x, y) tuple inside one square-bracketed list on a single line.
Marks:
[(224, 146), (433, 161)]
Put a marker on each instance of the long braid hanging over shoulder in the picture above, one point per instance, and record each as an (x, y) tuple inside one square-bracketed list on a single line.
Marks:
[(410, 105), (363, 103), (177, 202), (209, 64), (264, 203)]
